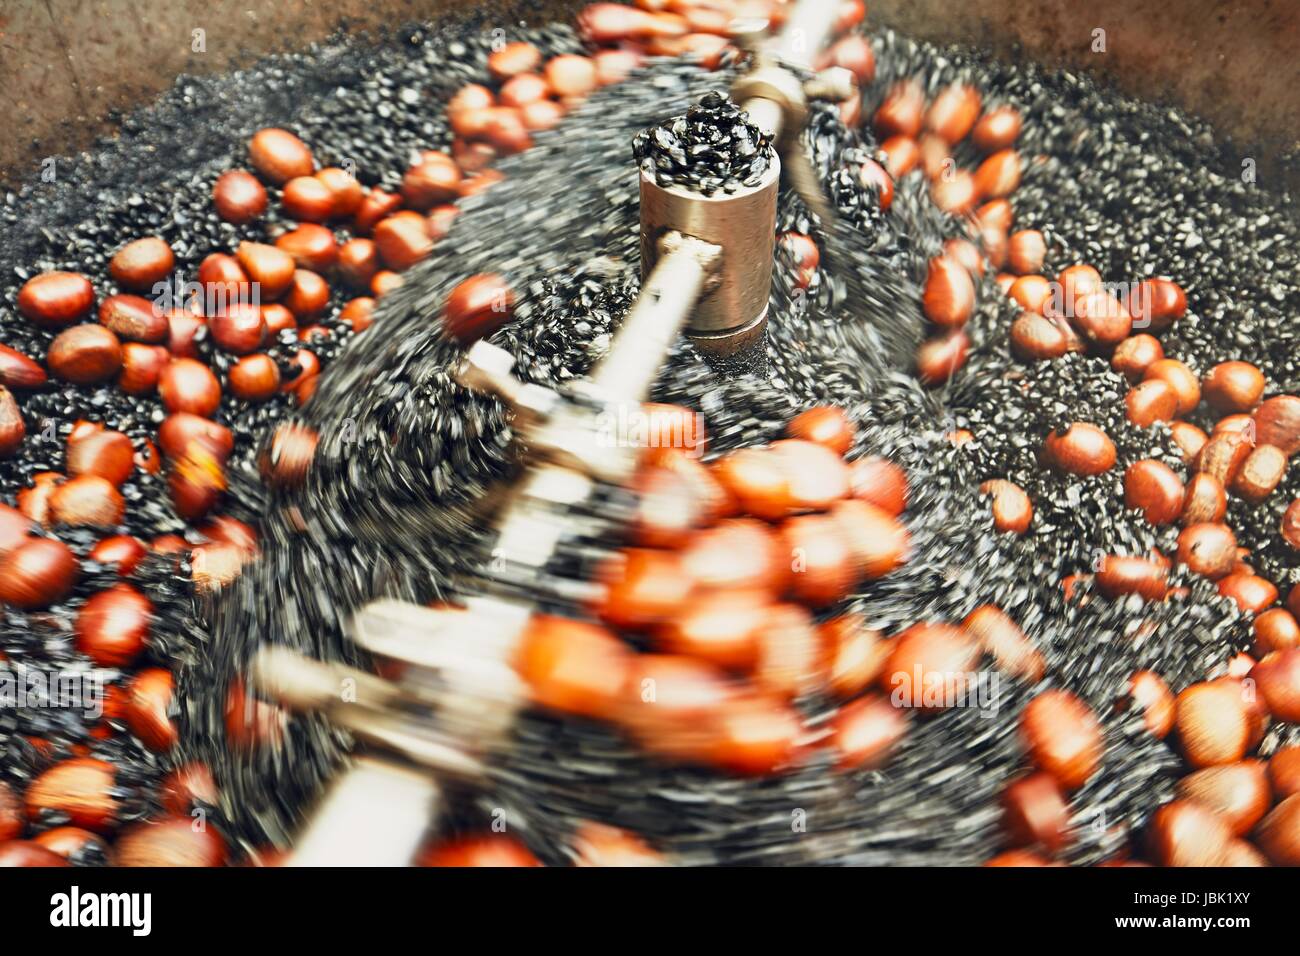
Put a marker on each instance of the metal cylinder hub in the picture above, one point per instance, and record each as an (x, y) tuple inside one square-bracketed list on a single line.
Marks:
[(732, 313)]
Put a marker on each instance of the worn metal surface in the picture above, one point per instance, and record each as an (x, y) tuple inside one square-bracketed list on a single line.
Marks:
[(68, 66)]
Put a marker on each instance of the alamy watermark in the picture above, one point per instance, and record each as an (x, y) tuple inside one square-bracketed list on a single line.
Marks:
[(30, 688), (633, 426), (940, 690)]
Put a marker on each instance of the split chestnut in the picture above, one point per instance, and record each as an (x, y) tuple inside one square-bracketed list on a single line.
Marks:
[(1259, 474), (1035, 812)]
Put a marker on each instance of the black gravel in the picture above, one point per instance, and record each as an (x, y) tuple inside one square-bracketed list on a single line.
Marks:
[(392, 506), (712, 146)]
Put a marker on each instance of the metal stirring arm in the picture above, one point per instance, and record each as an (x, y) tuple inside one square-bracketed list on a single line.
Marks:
[(776, 98), (458, 696)]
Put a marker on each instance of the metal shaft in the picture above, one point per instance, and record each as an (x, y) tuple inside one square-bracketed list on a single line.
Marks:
[(806, 31), (732, 312), (668, 295), (766, 115), (375, 814)]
